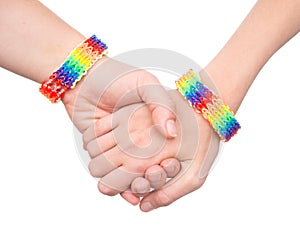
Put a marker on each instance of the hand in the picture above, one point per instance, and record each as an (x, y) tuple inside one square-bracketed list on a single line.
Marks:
[(122, 160), (140, 143), (191, 179), (102, 91)]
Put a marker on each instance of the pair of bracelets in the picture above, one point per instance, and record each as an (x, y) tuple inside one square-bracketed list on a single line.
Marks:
[(76, 65), (210, 105), (200, 97)]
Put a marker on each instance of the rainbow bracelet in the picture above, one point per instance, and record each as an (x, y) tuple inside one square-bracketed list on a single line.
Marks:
[(79, 61), (211, 106)]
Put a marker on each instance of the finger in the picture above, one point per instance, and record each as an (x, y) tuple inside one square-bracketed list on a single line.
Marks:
[(130, 197), (99, 128), (106, 189), (140, 186), (188, 180), (101, 144), (156, 176), (171, 167), (160, 103), (186, 183), (117, 181), (101, 166)]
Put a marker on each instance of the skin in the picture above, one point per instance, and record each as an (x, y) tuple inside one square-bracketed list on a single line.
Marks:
[(268, 26), (92, 100), (196, 145), (25, 42), (131, 142)]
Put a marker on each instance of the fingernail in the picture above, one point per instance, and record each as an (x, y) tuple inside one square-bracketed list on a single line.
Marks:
[(171, 128), (170, 169), (147, 206)]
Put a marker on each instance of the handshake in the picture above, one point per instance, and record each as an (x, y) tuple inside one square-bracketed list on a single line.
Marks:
[(144, 142)]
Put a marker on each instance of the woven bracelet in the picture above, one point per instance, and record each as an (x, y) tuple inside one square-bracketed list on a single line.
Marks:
[(211, 106), (79, 61)]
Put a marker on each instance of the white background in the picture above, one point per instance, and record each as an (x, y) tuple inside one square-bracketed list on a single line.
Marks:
[(253, 193)]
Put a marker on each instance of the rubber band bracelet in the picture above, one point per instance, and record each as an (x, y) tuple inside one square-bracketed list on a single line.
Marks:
[(211, 106), (79, 61)]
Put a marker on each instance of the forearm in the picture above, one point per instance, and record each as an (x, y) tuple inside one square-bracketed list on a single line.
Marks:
[(269, 25), (33, 41)]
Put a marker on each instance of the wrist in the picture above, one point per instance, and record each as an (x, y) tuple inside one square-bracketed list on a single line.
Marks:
[(70, 96), (231, 85), (55, 55), (73, 69), (203, 97)]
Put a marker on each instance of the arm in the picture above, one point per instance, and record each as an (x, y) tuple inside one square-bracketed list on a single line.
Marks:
[(269, 25), (29, 32), (34, 42)]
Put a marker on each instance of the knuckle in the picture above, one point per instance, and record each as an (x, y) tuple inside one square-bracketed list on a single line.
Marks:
[(94, 169), (97, 126), (140, 185), (84, 139), (140, 167), (93, 148), (136, 166), (89, 148), (148, 77), (194, 181), (88, 135)]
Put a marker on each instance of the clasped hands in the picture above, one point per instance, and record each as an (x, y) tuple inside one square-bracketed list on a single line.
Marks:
[(138, 135)]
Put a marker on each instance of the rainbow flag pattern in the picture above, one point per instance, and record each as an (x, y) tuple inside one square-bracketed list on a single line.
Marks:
[(79, 61), (211, 106)]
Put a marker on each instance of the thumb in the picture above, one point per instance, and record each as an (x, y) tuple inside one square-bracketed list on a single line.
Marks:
[(164, 118), (192, 177), (160, 103)]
